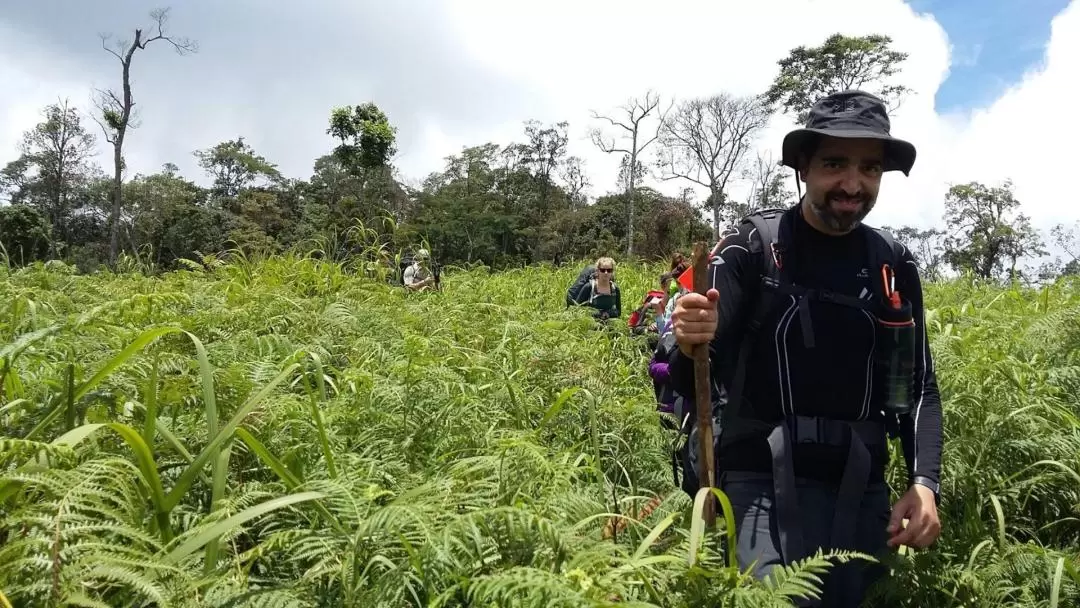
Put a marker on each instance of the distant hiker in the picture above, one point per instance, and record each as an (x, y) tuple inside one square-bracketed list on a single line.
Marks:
[(574, 292), (806, 360), (669, 288), (643, 318), (665, 283), (659, 372), (599, 291), (678, 263), (418, 276), (648, 316), (675, 288)]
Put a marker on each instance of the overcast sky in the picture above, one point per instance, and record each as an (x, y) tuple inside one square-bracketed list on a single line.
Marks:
[(452, 73)]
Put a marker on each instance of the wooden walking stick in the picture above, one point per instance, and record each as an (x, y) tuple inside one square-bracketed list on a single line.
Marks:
[(703, 393)]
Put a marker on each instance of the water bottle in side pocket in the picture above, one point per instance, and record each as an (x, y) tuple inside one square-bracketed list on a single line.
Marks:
[(894, 351)]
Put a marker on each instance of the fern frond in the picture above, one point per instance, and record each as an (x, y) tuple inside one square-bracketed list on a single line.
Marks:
[(802, 579)]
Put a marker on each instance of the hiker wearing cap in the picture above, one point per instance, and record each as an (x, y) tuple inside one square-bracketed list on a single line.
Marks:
[(418, 276), (816, 332)]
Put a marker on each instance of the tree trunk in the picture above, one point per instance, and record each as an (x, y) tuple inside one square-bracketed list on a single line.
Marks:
[(114, 216), (714, 200), (118, 157), (630, 184)]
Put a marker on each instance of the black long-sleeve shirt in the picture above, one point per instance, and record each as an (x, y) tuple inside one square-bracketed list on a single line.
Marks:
[(835, 377)]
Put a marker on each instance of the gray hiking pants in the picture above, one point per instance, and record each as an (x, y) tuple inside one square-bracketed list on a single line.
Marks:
[(758, 535)]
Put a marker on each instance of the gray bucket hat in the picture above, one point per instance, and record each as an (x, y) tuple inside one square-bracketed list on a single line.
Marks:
[(855, 115)]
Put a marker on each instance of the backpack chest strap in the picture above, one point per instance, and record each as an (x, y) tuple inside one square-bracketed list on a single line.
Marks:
[(805, 295), (815, 293)]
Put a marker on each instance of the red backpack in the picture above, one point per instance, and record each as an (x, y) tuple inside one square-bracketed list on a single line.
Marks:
[(638, 317)]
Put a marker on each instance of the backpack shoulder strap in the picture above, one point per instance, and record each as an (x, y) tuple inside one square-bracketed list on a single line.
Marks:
[(882, 248), (767, 229), (764, 241)]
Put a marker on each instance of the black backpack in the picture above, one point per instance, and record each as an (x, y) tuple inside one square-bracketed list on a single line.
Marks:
[(727, 425), (574, 292)]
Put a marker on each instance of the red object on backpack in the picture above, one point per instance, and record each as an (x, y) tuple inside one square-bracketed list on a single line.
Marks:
[(635, 317)]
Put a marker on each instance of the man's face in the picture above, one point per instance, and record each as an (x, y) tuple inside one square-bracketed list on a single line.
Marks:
[(842, 181)]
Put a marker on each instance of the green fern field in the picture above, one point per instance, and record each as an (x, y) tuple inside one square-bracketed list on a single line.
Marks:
[(287, 432)]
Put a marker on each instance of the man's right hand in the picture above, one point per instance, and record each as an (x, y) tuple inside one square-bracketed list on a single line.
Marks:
[(694, 320)]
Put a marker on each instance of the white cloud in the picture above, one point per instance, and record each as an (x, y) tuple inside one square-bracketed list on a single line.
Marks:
[(30, 83), (1031, 132), (575, 59), (557, 60)]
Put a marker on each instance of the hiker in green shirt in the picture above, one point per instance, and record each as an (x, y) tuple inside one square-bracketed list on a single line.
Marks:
[(602, 293)]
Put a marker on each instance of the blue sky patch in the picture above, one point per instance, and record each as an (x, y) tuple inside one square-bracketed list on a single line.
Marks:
[(995, 42)]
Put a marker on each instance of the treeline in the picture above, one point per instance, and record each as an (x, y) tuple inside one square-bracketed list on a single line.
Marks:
[(500, 204)]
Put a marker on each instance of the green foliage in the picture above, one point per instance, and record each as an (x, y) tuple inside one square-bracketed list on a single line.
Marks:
[(926, 246), (234, 165), (292, 431), (367, 137), (53, 169), (988, 232), (25, 234), (839, 63)]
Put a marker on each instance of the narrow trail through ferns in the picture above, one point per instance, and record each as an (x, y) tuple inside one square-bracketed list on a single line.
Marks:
[(282, 432)]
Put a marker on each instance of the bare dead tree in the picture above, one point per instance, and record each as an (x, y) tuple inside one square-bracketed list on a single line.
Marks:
[(116, 109), (706, 140), (636, 110), (759, 174), (766, 177), (576, 180), (767, 182)]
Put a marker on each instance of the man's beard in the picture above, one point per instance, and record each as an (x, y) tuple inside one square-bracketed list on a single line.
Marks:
[(838, 219)]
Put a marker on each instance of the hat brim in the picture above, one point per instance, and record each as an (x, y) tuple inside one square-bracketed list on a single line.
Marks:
[(899, 154)]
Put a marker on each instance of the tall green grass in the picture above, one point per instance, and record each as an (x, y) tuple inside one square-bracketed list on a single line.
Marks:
[(293, 431)]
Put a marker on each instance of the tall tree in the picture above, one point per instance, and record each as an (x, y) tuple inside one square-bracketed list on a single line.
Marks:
[(635, 142), (368, 140), (988, 234), (54, 164), (544, 153), (577, 181), (840, 63), (767, 183), (368, 143), (706, 139), (626, 176), (1068, 240), (15, 180), (116, 109), (927, 246), (768, 189), (234, 165)]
